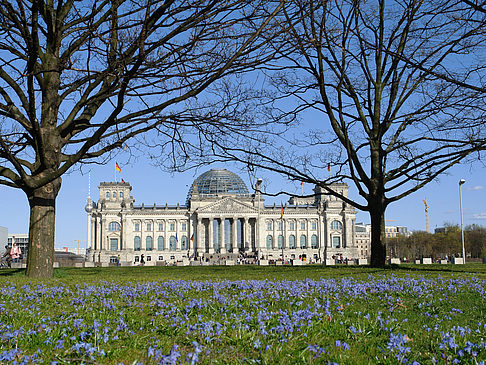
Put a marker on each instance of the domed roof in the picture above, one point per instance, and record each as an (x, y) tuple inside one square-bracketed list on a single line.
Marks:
[(218, 182)]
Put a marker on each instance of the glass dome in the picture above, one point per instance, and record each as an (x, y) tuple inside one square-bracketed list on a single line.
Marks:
[(217, 182)]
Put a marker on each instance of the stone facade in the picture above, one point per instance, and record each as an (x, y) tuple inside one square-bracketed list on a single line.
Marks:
[(218, 222)]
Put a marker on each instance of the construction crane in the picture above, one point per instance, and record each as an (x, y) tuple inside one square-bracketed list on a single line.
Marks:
[(426, 215)]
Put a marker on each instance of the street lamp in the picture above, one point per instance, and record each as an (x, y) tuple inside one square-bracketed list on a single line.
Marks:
[(258, 191), (461, 182)]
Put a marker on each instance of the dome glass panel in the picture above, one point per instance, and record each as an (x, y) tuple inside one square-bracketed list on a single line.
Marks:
[(218, 182)]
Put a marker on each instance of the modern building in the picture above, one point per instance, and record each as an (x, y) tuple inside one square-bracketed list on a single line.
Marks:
[(395, 231), (3, 237), (220, 220)]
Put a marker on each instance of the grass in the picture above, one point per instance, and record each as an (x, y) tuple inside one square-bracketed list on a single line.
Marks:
[(246, 314)]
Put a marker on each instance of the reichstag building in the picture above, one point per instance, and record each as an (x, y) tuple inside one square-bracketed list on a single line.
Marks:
[(220, 220)]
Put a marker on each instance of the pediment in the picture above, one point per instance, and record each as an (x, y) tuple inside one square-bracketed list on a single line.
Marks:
[(227, 206)]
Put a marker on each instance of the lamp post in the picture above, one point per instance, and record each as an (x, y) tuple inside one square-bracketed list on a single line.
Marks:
[(461, 182), (258, 191)]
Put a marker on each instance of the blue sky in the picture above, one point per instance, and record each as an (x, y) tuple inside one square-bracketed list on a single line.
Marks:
[(151, 184)]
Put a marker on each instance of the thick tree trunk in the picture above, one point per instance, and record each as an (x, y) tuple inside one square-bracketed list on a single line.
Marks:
[(378, 241), (42, 203)]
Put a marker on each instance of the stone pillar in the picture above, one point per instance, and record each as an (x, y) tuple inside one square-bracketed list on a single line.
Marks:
[(222, 243), (94, 231), (210, 233), (102, 234), (234, 238), (199, 245)]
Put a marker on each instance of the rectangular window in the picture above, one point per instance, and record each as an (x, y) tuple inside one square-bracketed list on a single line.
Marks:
[(336, 242), (292, 226), (269, 226), (137, 259), (172, 227), (184, 226), (161, 227), (302, 225), (113, 244), (137, 227), (280, 226), (161, 258), (149, 227), (149, 258), (314, 226)]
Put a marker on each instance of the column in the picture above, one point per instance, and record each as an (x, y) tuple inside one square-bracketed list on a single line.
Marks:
[(210, 233), (102, 234), (234, 238), (244, 234), (222, 243), (199, 245)]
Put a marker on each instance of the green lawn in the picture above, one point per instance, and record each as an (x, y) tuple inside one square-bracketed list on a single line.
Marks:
[(246, 314)]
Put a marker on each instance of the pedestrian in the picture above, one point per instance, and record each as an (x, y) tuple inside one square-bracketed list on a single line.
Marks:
[(15, 253), (142, 261), (6, 256), (118, 261)]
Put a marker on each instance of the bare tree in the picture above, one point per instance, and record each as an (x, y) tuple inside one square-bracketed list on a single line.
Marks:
[(392, 93), (79, 79)]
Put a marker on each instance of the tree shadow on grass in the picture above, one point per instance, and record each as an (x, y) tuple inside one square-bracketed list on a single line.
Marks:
[(11, 272), (449, 268)]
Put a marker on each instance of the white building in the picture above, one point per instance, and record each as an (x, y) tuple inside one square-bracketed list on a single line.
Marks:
[(363, 240), (3, 237), (220, 220)]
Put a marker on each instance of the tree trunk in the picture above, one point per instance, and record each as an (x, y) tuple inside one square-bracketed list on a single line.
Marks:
[(378, 242), (42, 203)]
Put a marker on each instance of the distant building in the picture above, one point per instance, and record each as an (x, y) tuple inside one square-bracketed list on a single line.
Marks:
[(220, 219), (395, 231), (22, 241), (444, 229), (362, 236), (3, 237)]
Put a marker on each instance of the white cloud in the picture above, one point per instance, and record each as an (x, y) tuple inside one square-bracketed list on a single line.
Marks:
[(474, 188), (479, 215)]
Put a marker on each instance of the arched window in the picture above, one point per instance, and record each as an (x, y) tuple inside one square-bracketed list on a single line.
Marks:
[(336, 225), (292, 241), (269, 242), (114, 227), (280, 242), (314, 241), (107, 194), (136, 243), (114, 195), (149, 243), (184, 243), (121, 194), (303, 241), (172, 243), (160, 243)]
